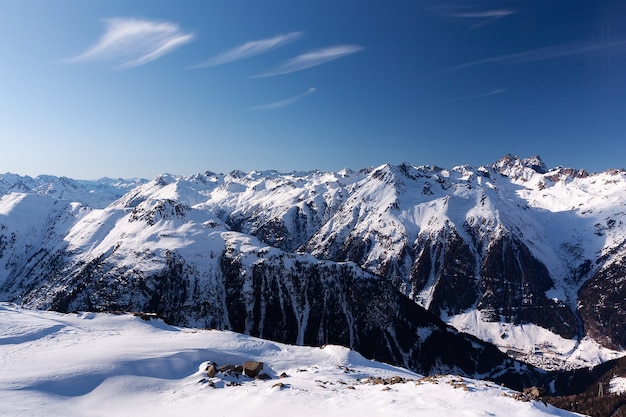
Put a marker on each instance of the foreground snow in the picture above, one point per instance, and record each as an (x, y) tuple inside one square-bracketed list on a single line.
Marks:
[(119, 365)]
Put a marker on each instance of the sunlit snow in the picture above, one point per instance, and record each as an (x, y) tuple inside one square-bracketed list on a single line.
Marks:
[(535, 344), (87, 364), (617, 385)]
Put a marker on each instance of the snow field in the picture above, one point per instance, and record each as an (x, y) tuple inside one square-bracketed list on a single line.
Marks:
[(89, 364), (534, 344)]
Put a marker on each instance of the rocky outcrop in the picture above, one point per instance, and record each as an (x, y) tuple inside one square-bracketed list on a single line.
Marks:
[(602, 306), (443, 275), (252, 369), (513, 288)]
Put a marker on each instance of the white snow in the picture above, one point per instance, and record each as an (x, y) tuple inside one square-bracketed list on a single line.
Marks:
[(97, 194), (617, 385), (534, 344), (89, 364)]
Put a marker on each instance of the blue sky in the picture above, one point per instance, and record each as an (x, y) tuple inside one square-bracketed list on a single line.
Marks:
[(137, 88)]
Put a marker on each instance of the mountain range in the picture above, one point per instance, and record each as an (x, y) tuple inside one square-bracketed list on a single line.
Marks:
[(384, 260)]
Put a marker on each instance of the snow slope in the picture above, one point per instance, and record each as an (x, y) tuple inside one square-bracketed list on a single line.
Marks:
[(88, 364), (535, 345)]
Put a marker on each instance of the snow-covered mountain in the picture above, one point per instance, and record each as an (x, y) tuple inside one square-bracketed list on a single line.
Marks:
[(96, 193), (523, 256), (87, 364), (164, 257)]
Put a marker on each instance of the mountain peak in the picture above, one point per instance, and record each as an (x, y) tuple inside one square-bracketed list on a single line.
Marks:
[(516, 167)]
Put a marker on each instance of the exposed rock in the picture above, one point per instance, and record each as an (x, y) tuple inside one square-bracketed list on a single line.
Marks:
[(604, 310), (211, 370), (228, 368), (458, 383), (513, 165), (529, 394), (396, 380), (252, 368), (514, 284), (533, 392), (376, 380)]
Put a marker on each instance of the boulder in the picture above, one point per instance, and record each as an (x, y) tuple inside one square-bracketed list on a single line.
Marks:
[(211, 370), (229, 368), (252, 368)]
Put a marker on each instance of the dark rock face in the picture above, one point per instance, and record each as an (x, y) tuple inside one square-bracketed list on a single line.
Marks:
[(603, 306), (173, 292), (252, 368), (513, 288), (296, 225), (159, 210), (447, 264), (505, 283), (335, 304)]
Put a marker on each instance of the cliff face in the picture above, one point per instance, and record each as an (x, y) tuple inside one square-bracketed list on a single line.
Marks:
[(602, 305)]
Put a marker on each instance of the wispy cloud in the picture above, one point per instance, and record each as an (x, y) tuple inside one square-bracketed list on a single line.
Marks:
[(544, 54), (286, 102), (487, 94), (131, 42), (483, 14), (311, 59), (249, 49), (473, 13)]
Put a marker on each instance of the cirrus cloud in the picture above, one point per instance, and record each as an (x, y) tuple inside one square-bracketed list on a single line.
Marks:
[(250, 49), (129, 42), (546, 53), (473, 12), (285, 102), (311, 59), (487, 94)]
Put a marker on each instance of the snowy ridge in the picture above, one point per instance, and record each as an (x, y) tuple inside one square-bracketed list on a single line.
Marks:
[(93, 193), (100, 364)]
